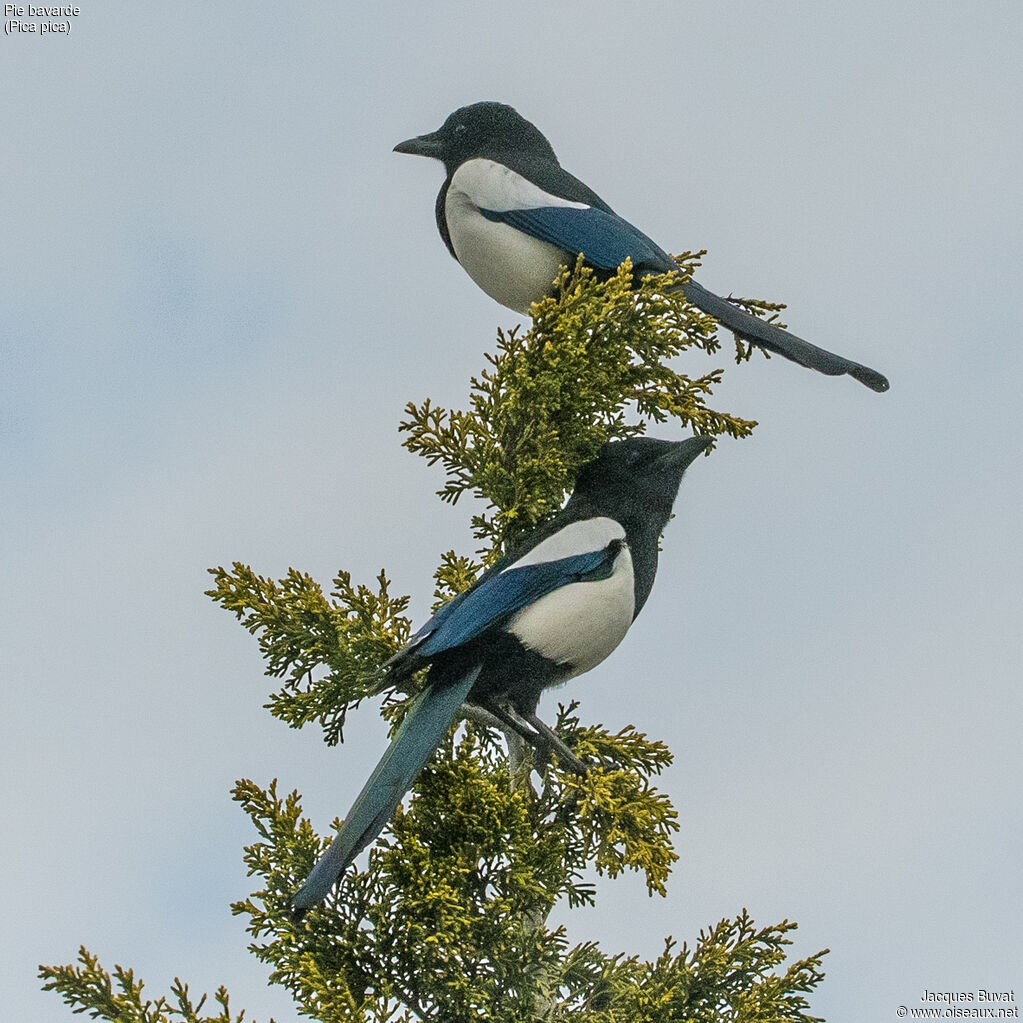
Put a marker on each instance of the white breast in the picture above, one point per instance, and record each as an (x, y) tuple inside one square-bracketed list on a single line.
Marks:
[(580, 624), (511, 267)]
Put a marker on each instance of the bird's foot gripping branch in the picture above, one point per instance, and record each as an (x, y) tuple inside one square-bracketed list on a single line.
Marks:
[(447, 918)]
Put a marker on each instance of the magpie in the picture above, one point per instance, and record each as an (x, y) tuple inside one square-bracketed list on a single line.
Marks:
[(512, 216), (550, 609)]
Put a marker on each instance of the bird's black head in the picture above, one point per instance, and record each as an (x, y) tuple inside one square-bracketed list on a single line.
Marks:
[(480, 129), (636, 480)]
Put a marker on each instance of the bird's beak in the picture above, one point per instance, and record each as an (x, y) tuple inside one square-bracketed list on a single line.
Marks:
[(683, 453), (423, 145)]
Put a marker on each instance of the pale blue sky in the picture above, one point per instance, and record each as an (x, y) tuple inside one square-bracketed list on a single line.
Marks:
[(220, 287)]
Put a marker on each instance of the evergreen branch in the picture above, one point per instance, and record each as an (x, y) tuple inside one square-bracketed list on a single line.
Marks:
[(596, 357), (730, 976), (328, 650), (89, 988), (448, 920)]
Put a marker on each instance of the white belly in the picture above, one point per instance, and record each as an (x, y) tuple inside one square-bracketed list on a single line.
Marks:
[(580, 624), (509, 266)]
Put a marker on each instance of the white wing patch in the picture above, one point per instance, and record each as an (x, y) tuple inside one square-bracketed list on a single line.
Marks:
[(580, 537), (490, 185)]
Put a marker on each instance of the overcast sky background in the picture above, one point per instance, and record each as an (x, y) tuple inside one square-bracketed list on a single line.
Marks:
[(220, 287)]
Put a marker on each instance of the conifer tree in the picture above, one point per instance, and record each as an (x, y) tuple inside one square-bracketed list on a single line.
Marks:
[(448, 920)]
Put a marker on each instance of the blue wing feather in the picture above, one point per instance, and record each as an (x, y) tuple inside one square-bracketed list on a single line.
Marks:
[(604, 238), (493, 601), (424, 726), (500, 596)]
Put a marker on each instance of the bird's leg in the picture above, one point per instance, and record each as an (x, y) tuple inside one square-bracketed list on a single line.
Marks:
[(544, 740), (490, 716), (554, 739), (483, 715), (555, 742), (522, 760), (507, 717), (504, 716)]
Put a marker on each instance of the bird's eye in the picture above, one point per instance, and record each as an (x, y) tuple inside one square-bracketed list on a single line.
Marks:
[(461, 128)]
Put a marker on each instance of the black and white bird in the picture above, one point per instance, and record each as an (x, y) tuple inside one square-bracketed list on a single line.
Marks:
[(549, 610), (513, 216)]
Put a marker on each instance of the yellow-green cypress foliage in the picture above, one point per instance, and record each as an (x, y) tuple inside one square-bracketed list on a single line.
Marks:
[(448, 921)]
